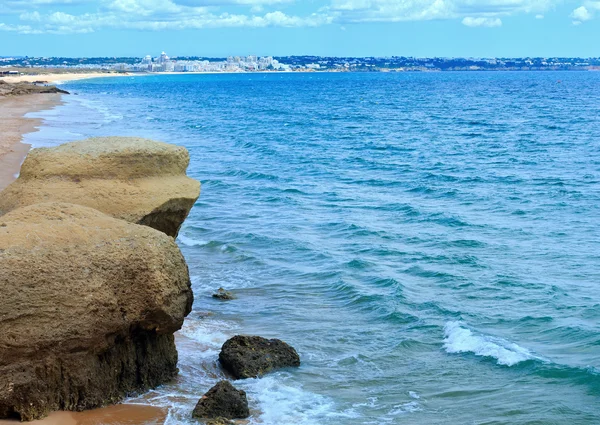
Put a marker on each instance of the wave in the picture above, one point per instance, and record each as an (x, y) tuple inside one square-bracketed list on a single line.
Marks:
[(459, 339), (190, 241), (280, 403), (208, 333)]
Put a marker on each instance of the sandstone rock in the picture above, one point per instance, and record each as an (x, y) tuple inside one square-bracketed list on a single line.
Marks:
[(137, 180), (224, 295), (253, 356), (223, 401), (19, 89), (88, 308)]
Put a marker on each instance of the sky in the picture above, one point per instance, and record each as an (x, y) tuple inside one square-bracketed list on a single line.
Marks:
[(218, 28)]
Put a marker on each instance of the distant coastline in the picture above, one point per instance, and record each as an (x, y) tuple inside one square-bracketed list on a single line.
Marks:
[(163, 64)]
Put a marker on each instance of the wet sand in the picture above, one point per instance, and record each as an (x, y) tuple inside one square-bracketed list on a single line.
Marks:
[(120, 414), (13, 125)]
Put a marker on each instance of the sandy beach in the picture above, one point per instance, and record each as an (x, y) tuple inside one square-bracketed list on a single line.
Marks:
[(14, 125), (54, 78), (120, 414)]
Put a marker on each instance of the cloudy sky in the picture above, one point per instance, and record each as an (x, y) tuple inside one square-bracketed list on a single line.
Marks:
[(284, 27)]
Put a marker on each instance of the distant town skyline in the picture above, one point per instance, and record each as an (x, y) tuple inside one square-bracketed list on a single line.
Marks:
[(221, 28), (252, 63)]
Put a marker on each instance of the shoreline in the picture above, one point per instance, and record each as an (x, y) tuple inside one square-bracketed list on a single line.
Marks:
[(58, 78), (116, 414), (15, 125), (12, 154)]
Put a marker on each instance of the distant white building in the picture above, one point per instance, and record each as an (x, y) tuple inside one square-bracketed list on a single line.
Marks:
[(163, 58), (163, 63)]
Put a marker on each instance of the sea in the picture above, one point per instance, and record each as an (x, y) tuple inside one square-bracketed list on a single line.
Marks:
[(428, 242)]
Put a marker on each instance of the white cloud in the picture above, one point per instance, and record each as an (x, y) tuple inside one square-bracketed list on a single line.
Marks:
[(349, 11), (594, 5), (482, 22), (410, 10), (31, 16), (539, 16), (205, 3), (156, 15), (60, 16), (22, 29), (580, 15)]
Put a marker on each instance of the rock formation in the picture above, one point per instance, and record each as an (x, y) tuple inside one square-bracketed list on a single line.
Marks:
[(19, 89), (137, 180), (224, 295), (223, 401), (253, 356), (88, 308)]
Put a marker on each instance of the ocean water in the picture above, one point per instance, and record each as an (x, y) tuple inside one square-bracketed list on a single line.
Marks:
[(429, 243)]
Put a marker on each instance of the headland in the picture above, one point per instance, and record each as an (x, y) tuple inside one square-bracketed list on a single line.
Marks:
[(16, 102)]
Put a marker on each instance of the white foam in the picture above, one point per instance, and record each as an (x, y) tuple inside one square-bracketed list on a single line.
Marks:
[(402, 409), (414, 395), (210, 334), (279, 403), (459, 339), (74, 112), (190, 241)]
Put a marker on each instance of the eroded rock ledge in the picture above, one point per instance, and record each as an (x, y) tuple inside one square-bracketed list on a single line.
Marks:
[(137, 180), (88, 309), (20, 89)]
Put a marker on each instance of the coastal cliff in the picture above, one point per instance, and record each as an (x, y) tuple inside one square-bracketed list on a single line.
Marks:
[(90, 301), (137, 180)]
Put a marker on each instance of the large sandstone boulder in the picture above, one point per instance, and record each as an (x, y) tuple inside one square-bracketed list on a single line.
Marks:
[(88, 308), (137, 180), (252, 356), (223, 401)]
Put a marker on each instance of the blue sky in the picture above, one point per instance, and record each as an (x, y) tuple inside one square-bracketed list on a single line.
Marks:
[(469, 28)]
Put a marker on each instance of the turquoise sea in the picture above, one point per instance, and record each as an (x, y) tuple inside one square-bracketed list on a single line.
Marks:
[(429, 242)]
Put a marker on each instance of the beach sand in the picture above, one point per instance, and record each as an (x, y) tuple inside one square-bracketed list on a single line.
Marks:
[(14, 125), (58, 77), (120, 414), (12, 153)]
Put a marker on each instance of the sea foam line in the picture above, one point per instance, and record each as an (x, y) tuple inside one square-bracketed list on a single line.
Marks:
[(459, 339)]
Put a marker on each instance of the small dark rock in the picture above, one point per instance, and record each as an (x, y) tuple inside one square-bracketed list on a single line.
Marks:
[(222, 294), (223, 401), (253, 356)]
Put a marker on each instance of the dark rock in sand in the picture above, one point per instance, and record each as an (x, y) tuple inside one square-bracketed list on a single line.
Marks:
[(224, 295), (252, 356), (223, 401), (88, 308)]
